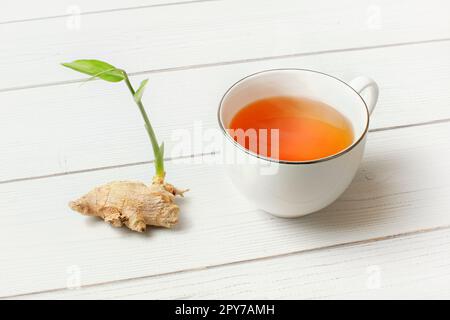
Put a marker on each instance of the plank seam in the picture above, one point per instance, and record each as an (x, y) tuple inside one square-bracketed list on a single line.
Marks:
[(233, 62), (133, 164), (107, 11), (265, 258)]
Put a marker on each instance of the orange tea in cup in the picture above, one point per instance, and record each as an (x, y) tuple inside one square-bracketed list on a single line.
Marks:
[(307, 129)]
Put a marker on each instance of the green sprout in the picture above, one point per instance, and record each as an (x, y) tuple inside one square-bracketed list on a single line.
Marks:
[(105, 71)]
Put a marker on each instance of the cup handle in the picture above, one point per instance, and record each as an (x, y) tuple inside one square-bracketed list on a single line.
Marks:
[(363, 83)]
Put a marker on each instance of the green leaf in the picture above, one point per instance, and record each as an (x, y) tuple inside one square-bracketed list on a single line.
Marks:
[(96, 68), (95, 76), (140, 91)]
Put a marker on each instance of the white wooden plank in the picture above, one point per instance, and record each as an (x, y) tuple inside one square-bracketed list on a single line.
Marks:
[(68, 127), (211, 32), (410, 267), (20, 10), (403, 186)]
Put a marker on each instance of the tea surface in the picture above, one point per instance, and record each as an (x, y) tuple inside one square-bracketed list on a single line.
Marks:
[(308, 130)]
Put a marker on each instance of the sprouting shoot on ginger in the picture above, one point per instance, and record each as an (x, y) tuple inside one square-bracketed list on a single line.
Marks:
[(129, 203)]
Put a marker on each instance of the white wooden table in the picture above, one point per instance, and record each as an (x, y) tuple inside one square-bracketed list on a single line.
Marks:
[(388, 236)]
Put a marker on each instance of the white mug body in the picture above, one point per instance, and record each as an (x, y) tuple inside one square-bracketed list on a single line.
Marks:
[(289, 191)]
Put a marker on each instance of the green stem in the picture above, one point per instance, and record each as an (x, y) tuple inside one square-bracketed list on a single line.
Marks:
[(159, 157)]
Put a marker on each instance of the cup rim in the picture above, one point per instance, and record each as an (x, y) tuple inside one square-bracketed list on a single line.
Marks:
[(333, 156)]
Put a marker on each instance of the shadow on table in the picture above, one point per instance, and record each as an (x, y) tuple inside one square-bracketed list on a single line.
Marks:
[(370, 198)]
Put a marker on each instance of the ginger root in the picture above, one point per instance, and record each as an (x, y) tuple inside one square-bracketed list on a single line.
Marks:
[(129, 203), (132, 204)]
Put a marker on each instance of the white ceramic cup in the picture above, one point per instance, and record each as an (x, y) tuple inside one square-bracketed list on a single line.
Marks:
[(289, 188)]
